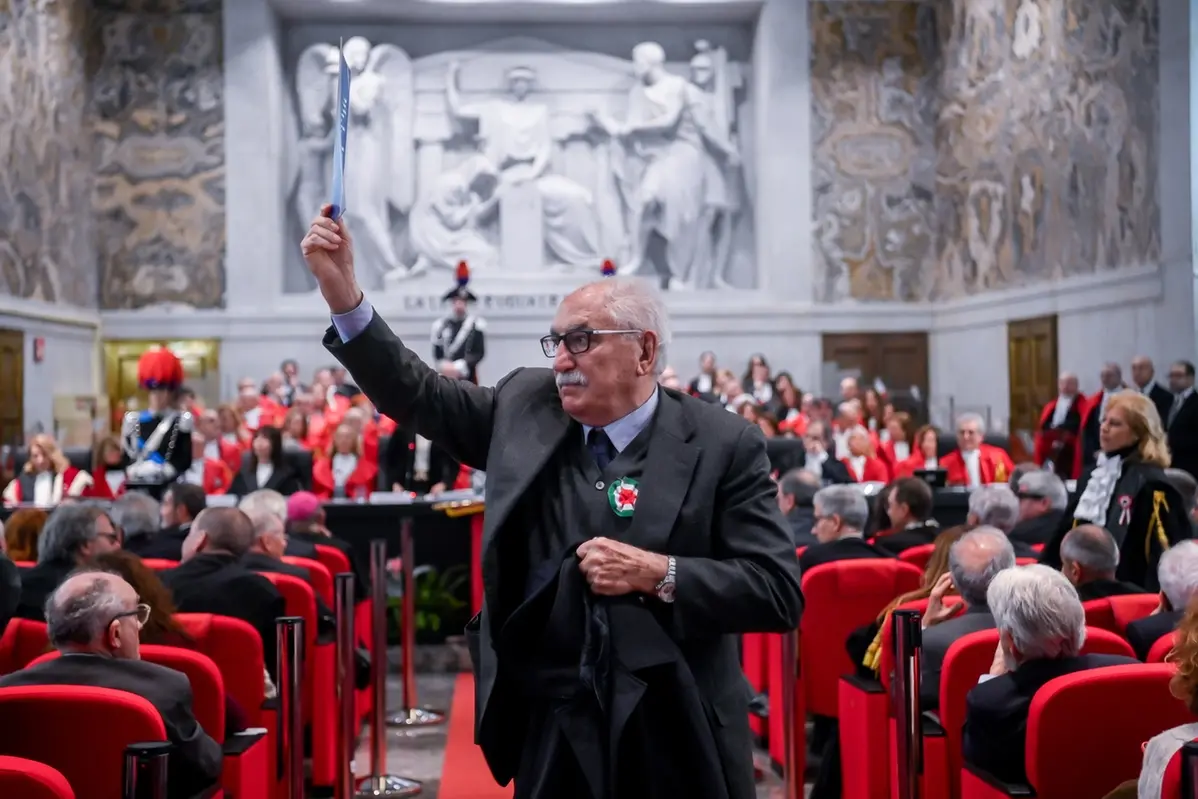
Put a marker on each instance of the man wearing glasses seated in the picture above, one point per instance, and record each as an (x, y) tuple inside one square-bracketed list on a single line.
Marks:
[(94, 620), (630, 535)]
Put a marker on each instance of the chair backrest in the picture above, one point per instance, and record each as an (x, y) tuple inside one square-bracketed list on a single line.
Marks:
[(160, 564), (1063, 764), (1161, 649), (918, 556), (886, 650), (59, 724), (22, 642), (1026, 561), (207, 686), (1104, 642), (322, 578), (840, 597), (300, 601), (28, 779), (235, 648), (965, 660), (334, 559), (1114, 613)]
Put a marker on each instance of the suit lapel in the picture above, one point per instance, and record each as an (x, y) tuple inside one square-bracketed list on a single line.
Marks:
[(669, 465)]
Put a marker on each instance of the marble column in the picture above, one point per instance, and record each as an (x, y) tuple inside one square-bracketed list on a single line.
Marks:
[(782, 120)]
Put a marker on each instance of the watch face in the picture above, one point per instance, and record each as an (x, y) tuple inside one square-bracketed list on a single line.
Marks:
[(666, 592)]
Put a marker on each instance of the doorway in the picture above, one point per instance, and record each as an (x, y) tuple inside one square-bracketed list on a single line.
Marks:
[(12, 387), (201, 367), (1031, 369), (900, 360)]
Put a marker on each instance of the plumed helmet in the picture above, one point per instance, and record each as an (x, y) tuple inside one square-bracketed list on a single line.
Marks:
[(157, 368)]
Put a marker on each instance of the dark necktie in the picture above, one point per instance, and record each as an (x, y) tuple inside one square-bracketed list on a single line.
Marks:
[(601, 448), (1173, 411)]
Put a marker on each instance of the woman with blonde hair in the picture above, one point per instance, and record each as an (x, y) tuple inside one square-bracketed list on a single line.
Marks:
[(48, 477), (1128, 493)]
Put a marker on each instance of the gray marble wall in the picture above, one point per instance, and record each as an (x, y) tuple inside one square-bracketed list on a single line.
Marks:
[(963, 146), (45, 154), (158, 122)]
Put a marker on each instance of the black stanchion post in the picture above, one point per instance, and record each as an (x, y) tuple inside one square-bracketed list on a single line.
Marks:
[(792, 760), (1189, 770), (145, 771), (289, 637), (380, 783), (905, 626), (347, 711), (411, 715)]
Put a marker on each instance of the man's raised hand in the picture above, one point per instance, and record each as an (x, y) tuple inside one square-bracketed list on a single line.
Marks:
[(328, 251)]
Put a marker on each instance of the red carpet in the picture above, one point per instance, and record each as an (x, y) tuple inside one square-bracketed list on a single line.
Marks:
[(464, 774)]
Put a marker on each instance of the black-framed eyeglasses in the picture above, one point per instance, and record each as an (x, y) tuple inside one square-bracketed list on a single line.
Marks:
[(141, 613), (578, 341)]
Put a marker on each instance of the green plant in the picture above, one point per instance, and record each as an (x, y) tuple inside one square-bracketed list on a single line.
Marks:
[(438, 596)]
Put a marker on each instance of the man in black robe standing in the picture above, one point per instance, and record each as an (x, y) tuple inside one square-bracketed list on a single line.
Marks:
[(631, 534)]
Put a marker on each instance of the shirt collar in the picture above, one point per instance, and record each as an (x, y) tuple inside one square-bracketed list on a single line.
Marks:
[(622, 431)]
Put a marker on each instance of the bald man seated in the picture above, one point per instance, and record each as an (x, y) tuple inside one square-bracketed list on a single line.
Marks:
[(212, 578), (94, 619), (1089, 558)]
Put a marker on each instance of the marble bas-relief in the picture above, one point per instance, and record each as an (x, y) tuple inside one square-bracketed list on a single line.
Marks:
[(529, 162), (158, 124), (45, 163)]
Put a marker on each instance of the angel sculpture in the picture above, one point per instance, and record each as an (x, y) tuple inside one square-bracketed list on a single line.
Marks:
[(379, 153)]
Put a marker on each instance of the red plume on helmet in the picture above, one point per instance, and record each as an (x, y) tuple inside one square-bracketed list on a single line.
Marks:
[(463, 274), (158, 367), (609, 268)]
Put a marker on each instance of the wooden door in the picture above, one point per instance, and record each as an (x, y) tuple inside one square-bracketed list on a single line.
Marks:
[(12, 387), (1031, 369), (899, 359), (201, 365)]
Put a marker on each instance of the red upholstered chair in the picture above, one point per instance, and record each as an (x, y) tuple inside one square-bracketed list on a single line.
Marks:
[(918, 556), (322, 578), (753, 653), (1114, 613), (320, 697), (22, 642), (775, 722), (57, 724), (1161, 649), (160, 564), (336, 562), (1105, 642), (333, 559), (24, 564), (1026, 561), (28, 779), (840, 597), (1063, 763)]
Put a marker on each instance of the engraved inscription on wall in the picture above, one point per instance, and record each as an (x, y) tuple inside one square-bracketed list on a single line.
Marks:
[(158, 122), (45, 160)]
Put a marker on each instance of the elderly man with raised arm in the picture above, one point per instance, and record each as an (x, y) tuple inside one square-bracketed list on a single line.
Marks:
[(631, 533)]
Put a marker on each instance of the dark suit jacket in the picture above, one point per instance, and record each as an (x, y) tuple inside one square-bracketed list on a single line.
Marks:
[(802, 520), (217, 583), (1039, 530), (1162, 398), (1143, 633), (915, 536), (10, 590), (195, 761), (166, 544), (996, 712), (841, 549), (706, 498), (1098, 589), (37, 584), (936, 641), (1183, 436), (283, 479)]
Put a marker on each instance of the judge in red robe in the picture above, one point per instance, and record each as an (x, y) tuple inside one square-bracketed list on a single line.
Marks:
[(863, 465), (47, 477), (973, 462), (108, 475), (211, 474), (1057, 438), (1112, 383), (346, 473)]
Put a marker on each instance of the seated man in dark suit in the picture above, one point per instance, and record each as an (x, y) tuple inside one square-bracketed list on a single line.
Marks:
[(840, 516), (181, 504), (995, 505), (1043, 500), (909, 506), (1177, 573), (266, 556), (136, 517), (211, 578), (1089, 557), (266, 500), (796, 498), (1041, 628), (818, 460), (94, 620), (73, 535), (973, 563)]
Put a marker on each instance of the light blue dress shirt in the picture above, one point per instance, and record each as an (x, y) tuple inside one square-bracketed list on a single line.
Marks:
[(349, 325), (623, 430)]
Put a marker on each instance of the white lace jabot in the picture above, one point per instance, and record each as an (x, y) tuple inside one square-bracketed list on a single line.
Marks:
[(1094, 501)]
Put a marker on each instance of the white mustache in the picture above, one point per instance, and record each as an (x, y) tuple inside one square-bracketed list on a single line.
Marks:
[(574, 378)]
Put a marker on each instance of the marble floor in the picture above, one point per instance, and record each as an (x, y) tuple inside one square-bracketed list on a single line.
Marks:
[(418, 754)]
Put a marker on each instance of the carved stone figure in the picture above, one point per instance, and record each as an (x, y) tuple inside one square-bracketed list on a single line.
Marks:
[(380, 154), (541, 214), (447, 222)]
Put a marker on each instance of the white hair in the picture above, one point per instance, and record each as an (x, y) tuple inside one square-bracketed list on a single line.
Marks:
[(995, 505), (137, 514), (635, 305), (266, 523), (1046, 485), (972, 418), (975, 558), (1177, 574), (264, 500), (845, 501), (1038, 608)]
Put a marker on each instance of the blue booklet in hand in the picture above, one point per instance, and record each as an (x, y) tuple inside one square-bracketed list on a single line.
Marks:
[(339, 137)]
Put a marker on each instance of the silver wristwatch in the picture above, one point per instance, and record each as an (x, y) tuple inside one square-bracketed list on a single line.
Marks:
[(665, 589)]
